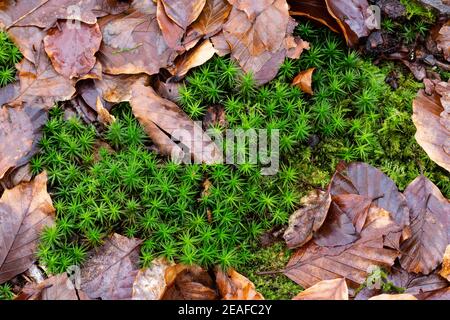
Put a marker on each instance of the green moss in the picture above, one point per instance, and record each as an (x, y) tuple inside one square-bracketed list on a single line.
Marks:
[(6, 292), (9, 56)]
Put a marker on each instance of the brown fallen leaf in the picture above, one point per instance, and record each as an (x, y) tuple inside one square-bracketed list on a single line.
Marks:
[(401, 296), (117, 88), (58, 287), (429, 212), (445, 270), (20, 132), (306, 221), (212, 18), (325, 290), (133, 42), (193, 58), (25, 211), (103, 115), (189, 283), (304, 81), (28, 40), (432, 122), (314, 9), (166, 123), (416, 283), (172, 33), (442, 294), (110, 270), (356, 207), (215, 116), (45, 13), (234, 286), (151, 283), (72, 50), (311, 263), (183, 12), (443, 40)]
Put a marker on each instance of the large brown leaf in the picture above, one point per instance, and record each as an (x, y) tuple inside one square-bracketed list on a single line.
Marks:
[(45, 13), (252, 7), (151, 283), (234, 286), (133, 43), (166, 123), (212, 18), (314, 9), (172, 33), (432, 121), (28, 40), (443, 40), (24, 211), (430, 213), (312, 263), (304, 222), (325, 290), (72, 50), (110, 271), (364, 180), (416, 284), (183, 12), (20, 132)]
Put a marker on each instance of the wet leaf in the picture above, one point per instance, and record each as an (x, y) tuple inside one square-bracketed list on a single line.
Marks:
[(72, 50), (432, 122), (304, 81), (20, 132), (110, 270), (429, 212), (189, 283), (325, 290), (183, 12), (306, 221), (24, 211), (234, 286), (166, 123), (133, 43), (151, 283), (311, 263), (401, 296)]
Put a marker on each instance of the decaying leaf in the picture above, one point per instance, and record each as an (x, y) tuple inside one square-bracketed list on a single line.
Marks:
[(189, 283), (401, 296), (304, 81), (429, 212), (133, 42), (24, 211), (72, 50), (325, 290), (58, 287), (183, 12), (151, 283), (103, 115), (19, 135), (110, 270), (306, 221), (234, 286), (443, 40), (165, 123), (432, 122), (311, 263)]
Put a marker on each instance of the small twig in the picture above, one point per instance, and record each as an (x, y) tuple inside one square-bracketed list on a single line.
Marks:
[(261, 273)]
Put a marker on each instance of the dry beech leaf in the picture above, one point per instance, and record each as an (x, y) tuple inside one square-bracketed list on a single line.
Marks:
[(28, 40), (443, 40), (356, 207), (117, 88), (110, 270), (234, 286), (193, 58), (401, 296), (45, 13), (72, 50), (20, 132), (103, 115), (151, 283), (442, 294), (312, 263), (58, 287), (430, 212), (189, 283), (445, 270), (304, 81), (432, 122), (304, 222), (133, 43), (183, 12), (172, 33), (252, 7), (220, 44), (24, 211), (367, 181), (165, 123), (325, 290), (212, 18), (314, 9), (416, 283)]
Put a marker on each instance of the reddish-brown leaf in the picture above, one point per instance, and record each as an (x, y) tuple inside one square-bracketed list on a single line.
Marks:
[(429, 212), (172, 32), (306, 221), (442, 294), (72, 50), (356, 207), (443, 40), (165, 123), (325, 290), (28, 40), (183, 12), (252, 7), (445, 269), (431, 116), (314, 9), (304, 81), (234, 286), (133, 42), (110, 270), (416, 284), (212, 18), (24, 211)]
